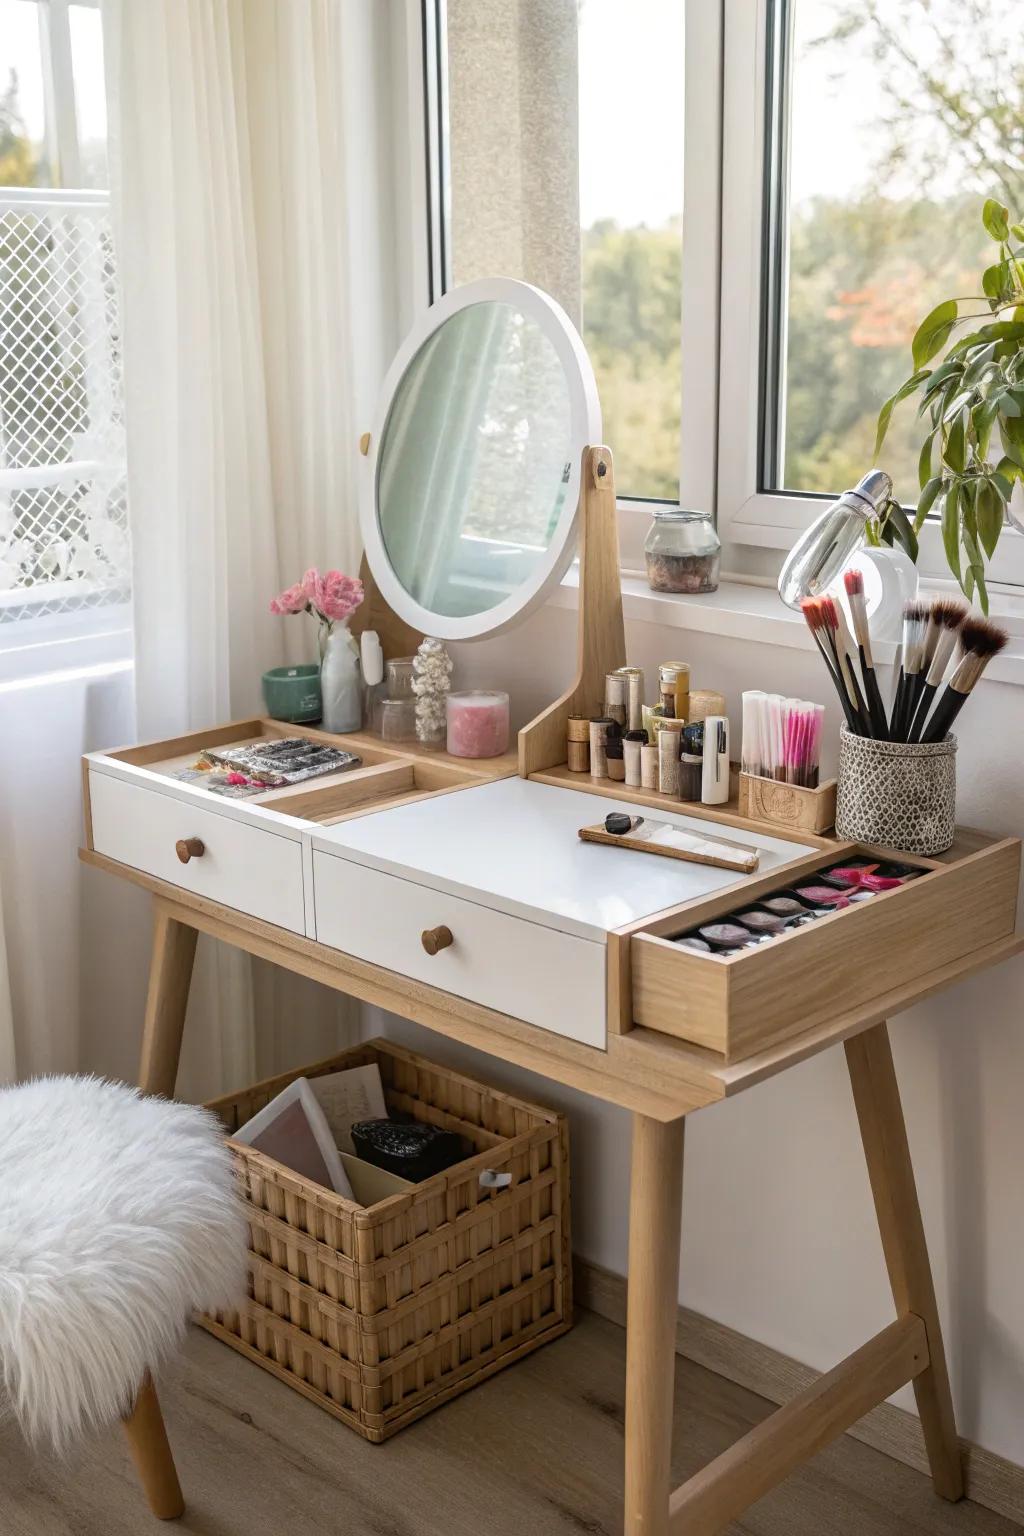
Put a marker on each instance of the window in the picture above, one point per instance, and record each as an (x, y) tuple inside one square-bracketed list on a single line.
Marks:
[(835, 155), (549, 179), (879, 131), (63, 510)]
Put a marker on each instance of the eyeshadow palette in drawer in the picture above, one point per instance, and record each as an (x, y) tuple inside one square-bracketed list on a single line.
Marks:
[(745, 970)]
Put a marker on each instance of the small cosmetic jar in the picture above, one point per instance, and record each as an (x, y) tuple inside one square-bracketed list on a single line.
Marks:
[(616, 698), (395, 719), (614, 758), (897, 794), (478, 723), (705, 702), (398, 677), (293, 693), (691, 776), (648, 714), (668, 756)]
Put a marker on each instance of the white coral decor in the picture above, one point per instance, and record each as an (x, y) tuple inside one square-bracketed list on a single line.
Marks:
[(431, 683)]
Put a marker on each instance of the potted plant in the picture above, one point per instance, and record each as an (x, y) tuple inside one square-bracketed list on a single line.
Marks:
[(972, 403)]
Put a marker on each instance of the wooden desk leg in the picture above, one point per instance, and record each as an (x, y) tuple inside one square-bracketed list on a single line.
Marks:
[(884, 1133), (655, 1215), (170, 975)]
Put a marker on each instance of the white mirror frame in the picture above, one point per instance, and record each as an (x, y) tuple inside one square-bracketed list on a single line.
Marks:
[(585, 431)]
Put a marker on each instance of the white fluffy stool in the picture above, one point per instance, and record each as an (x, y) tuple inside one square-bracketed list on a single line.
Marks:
[(118, 1216)]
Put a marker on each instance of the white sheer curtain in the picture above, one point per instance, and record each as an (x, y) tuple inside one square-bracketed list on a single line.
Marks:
[(228, 127), (6, 1017)]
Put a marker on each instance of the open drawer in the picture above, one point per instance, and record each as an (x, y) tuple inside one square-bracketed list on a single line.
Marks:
[(251, 854), (740, 1002)]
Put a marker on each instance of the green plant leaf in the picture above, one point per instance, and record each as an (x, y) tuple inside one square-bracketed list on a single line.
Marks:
[(899, 529), (940, 374), (1007, 403), (975, 563), (996, 219), (927, 501), (954, 448), (933, 332), (979, 362), (959, 401), (951, 530), (885, 414), (991, 513), (997, 283), (1007, 470), (924, 463), (983, 416)]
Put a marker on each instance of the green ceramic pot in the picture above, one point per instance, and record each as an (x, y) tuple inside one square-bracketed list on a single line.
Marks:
[(293, 693)]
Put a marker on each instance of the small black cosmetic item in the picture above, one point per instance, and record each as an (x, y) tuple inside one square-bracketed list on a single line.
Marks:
[(406, 1147), (618, 823)]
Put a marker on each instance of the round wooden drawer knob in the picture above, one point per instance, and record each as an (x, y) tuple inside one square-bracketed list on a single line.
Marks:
[(189, 848), (437, 938)]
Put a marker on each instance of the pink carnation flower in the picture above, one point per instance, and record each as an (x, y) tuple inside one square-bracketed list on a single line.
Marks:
[(340, 595), (332, 596), (313, 586), (292, 600)]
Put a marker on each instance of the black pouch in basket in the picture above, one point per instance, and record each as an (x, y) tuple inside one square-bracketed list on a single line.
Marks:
[(412, 1150)]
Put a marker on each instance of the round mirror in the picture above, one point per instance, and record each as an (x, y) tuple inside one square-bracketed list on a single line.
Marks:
[(474, 469)]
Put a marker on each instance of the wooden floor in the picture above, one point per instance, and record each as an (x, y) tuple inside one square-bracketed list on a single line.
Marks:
[(534, 1452)]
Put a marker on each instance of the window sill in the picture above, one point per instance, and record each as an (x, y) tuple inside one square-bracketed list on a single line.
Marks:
[(742, 610)]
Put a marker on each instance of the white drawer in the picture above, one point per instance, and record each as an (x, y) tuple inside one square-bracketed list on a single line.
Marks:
[(549, 978), (249, 867)]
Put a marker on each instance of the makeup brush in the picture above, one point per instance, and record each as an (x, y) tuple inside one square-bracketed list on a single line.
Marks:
[(979, 642), (854, 583), (842, 639), (811, 609), (932, 630), (947, 616), (914, 615)]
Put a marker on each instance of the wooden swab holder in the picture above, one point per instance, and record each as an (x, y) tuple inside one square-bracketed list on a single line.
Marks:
[(788, 805)]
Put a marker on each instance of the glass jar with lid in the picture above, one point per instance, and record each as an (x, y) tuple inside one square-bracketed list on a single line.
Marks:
[(682, 552)]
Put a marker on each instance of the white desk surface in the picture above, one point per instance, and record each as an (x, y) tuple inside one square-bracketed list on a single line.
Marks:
[(513, 845)]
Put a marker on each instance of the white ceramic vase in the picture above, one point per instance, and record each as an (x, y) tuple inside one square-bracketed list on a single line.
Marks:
[(341, 682)]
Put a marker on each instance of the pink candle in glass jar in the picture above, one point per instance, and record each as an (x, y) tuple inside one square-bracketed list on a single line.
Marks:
[(477, 723)]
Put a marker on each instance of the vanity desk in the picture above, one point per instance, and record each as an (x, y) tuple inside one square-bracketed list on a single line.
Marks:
[(458, 894)]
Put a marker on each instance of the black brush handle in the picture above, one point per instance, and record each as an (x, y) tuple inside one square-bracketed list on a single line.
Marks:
[(872, 692), (917, 685), (946, 711), (924, 704), (840, 686), (897, 706), (906, 706), (860, 707)]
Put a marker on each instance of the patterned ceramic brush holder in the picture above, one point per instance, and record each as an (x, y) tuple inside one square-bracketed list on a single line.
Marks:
[(897, 794)]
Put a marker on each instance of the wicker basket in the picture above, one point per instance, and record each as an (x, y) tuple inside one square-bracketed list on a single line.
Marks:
[(383, 1313)]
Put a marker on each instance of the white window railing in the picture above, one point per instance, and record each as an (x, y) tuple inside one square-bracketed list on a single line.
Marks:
[(63, 506)]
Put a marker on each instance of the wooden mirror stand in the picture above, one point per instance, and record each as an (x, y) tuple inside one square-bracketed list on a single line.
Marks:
[(601, 640)]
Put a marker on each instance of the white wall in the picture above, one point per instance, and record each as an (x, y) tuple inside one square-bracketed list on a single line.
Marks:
[(779, 1239)]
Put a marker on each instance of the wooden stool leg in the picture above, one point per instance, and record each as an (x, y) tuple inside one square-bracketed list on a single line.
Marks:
[(655, 1215), (147, 1441), (170, 975), (884, 1133)]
